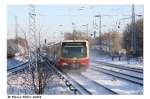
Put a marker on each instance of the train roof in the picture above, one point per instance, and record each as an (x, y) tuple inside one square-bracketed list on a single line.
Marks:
[(74, 41), (57, 43)]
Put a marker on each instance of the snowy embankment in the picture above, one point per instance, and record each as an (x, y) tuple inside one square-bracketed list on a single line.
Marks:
[(20, 84), (15, 61), (118, 85), (123, 62), (18, 59)]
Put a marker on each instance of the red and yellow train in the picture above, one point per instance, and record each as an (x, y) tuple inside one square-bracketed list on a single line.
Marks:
[(70, 54)]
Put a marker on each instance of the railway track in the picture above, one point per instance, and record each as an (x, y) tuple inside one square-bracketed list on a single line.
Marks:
[(81, 84), (119, 66), (92, 86), (17, 68), (133, 75), (72, 84), (130, 78), (80, 87)]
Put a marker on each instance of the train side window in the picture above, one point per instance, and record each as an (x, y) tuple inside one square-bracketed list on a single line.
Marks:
[(65, 52), (82, 50)]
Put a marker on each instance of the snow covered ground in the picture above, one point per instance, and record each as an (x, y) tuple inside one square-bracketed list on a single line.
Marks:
[(18, 85), (12, 62), (21, 84), (118, 85), (94, 55), (56, 86), (127, 72)]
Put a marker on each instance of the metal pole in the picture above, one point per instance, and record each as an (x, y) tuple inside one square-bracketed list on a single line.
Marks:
[(133, 40), (16, 26), (39, 40), (32, 43), (39, 34), (16, 30), (73, 26), (100, 30), (87, 30)]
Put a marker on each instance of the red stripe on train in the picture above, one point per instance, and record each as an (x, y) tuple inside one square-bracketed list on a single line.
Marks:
[(68, 61)]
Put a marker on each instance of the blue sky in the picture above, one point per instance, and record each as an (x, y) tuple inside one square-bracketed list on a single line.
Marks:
[(51, 16)]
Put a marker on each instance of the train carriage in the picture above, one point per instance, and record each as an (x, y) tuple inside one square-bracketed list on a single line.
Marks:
[(74, 54), (71, 54)]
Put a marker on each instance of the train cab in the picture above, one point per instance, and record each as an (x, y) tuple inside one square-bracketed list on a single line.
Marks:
[(74, 54)]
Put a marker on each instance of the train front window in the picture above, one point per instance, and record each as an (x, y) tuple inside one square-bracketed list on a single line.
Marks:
[(70, 51)]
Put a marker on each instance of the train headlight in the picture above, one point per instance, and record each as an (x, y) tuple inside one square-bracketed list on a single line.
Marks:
[(64, 63)]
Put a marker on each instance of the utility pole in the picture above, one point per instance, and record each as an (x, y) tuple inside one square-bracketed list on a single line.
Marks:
[(16, 31), (32, 28), (100, 17), (100, 28), (74, 31), (39, 40), (61, 32), (16, 26), (39, 34), (94, 27), (87, 29), (33, 57), (133, 36)]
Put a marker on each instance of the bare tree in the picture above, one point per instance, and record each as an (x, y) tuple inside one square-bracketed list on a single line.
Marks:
[(116, 41), (77, 35), (112, 40), (139, 37)]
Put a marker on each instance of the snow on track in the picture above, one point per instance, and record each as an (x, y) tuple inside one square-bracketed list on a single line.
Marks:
[(90, 85), (118, 85), (127, 72)]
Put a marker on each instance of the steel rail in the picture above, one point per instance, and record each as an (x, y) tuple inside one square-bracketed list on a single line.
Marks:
[(67, 80), (120, 66), (113, 92), (20, 65), (117, 76), (121, 73)]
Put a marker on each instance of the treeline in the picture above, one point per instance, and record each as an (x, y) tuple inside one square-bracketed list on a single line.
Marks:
[(115, 41), (112, 40), (13, 46), (127, 37), (121, 42)]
